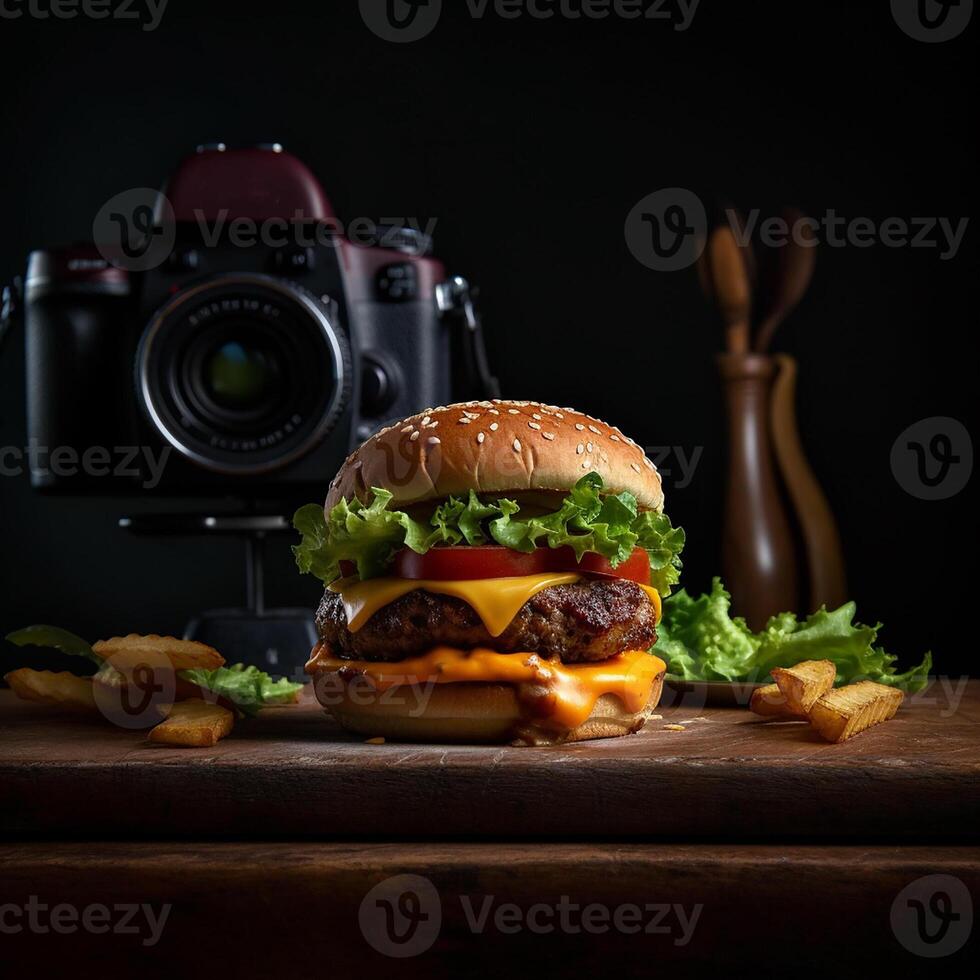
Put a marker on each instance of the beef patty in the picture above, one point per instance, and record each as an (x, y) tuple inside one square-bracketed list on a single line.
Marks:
[(584, 621)]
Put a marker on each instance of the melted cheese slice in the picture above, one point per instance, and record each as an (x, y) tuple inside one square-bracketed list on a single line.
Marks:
[(495, 600), (562, 694)]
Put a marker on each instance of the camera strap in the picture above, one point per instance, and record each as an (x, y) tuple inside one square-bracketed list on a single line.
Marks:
[(471, 374)]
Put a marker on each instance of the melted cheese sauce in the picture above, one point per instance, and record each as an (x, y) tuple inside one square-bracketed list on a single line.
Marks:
[(563, 695)]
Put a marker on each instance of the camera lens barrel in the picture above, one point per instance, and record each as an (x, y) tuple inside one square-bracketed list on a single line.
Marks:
[(244, 374)]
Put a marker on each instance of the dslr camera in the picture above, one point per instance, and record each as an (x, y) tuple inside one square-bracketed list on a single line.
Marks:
[(261, 365)]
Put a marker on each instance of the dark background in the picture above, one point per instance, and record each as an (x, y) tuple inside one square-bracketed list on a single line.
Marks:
[(530, 141)]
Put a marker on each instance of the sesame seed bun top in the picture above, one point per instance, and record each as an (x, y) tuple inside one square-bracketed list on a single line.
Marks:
[(495, 446)]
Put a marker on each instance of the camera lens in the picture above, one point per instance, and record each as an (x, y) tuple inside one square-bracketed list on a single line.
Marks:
[(241, 376), (244, 374)]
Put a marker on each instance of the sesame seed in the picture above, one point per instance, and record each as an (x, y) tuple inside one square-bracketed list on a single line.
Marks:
[(464, 421), (633, 466), (586, 463), (432, 425), (493, 411), (414, 436), (674, 728), (579, 426), (534, 425), (494, 426), (592, 428), (534, 415), (614, 438), (513, 411), (589, 447), (480, 436), (472, 415), (408, 428), (517, 445), (434, 440), (558, 415), (580, 448), (427, 420), (550, 436)]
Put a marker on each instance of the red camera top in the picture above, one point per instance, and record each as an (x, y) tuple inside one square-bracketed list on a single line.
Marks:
[(256, 182)]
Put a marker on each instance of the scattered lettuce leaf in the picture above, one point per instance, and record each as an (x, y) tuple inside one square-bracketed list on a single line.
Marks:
[(248, 687), (54, 636), (701, 641), (587, 521)]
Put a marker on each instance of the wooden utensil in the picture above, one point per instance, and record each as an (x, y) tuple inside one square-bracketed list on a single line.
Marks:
[(759, 559), (726, 270), (824, 554), (788, 278)]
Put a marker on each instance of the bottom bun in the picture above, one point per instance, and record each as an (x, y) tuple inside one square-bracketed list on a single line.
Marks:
[(474, 712)]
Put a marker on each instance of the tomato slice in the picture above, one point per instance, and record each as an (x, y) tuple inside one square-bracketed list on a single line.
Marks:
[(495, 561), (469, 562), (636, 568)]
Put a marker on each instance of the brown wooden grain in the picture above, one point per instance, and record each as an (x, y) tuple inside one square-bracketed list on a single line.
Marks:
[(291, 910), (290, 773)]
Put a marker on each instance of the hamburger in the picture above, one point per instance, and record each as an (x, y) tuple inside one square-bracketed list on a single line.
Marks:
[(494, 573)]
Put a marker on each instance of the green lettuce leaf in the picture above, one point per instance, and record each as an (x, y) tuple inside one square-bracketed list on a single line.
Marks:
[(701, 641), (54, 636), (248, 687), (587, 521)]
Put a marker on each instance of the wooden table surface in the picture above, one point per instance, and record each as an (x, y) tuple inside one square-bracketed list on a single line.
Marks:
[(290, 774), (494, 909)]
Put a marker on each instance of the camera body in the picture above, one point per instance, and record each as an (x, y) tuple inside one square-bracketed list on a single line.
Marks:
[(249, 369)]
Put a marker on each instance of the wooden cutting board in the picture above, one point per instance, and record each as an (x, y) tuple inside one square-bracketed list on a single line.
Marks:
[(290, 773)]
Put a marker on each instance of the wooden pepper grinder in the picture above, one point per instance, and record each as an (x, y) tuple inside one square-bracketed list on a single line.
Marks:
[(759, 560)]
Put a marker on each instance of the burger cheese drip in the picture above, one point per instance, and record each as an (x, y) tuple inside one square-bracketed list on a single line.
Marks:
[(556, 695)]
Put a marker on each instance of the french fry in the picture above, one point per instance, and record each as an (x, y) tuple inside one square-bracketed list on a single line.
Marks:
[(194, 723), (182, 654), (803, 684), (770, 702), (49, 687), (843, 712)]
